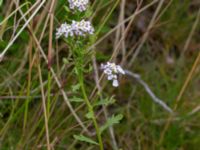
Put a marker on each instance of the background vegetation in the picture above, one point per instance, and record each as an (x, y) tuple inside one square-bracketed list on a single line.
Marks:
[(158, 39)]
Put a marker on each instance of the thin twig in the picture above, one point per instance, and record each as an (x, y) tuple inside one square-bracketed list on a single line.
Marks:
[(149, 91)]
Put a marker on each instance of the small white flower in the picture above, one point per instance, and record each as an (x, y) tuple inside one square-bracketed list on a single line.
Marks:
[(81, 5), (110, 77), (112, 70), (115, 83)]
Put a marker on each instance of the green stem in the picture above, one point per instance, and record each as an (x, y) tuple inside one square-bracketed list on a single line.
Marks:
[(90, 108)]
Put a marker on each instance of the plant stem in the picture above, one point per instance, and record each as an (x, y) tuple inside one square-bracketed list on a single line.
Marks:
[(49, 94), (90, 108), (44, 109)]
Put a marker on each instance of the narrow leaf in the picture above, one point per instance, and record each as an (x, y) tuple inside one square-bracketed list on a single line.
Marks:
[(85, 139), (76, 99)]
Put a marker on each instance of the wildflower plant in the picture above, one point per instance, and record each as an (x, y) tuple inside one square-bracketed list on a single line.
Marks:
[(78, 33)]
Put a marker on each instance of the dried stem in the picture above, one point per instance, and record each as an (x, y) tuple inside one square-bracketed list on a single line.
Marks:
[(149, 91)]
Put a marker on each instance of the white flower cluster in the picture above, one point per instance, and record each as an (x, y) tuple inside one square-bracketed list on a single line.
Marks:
[(112, 70), (81, 5), (82, 27), (76, 28)]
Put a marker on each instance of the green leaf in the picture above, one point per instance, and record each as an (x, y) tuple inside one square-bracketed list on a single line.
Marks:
[(105, 102), (85, 139), (67, 9), (111, 121), (76, 99), (89, 115)]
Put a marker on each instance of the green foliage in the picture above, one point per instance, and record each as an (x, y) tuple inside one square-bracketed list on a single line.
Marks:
[(105, 102), (75, 88), (115, 119), (85, 139), (89, 115)]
